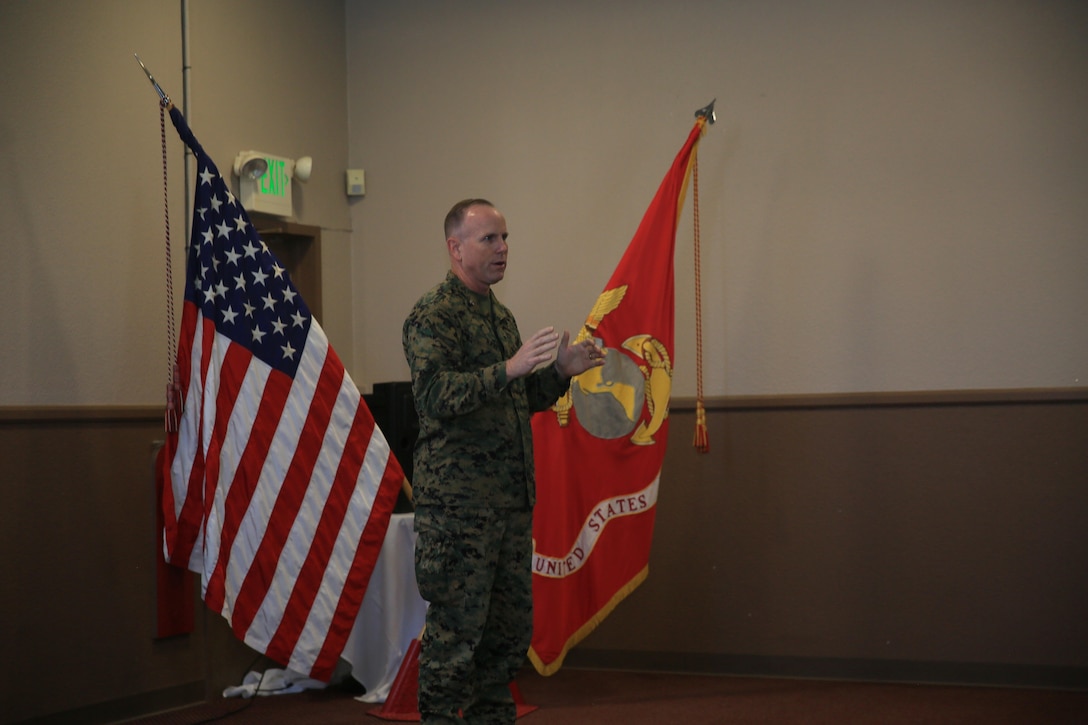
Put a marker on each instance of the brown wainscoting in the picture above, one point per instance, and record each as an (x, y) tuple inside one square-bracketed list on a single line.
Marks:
[(78, 602), (926, 398), (14, 416), (932, 536), (922, 536)]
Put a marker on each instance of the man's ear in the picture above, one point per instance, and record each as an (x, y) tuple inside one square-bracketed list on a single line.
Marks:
[(453, 244)]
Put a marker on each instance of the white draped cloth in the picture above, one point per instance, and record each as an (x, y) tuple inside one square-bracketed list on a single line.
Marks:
[(391, 615)]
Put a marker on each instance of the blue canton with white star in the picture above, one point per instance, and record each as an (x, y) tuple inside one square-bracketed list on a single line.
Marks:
[(237, 282)]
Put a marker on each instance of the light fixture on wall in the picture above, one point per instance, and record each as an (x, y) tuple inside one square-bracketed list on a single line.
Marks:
[(264, 180), (250, 165), (303, 168)]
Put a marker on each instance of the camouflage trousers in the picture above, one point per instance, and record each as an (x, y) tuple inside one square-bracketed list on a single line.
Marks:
[(474, 566)]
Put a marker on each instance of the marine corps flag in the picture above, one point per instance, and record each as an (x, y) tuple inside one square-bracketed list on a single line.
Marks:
[(599, 450)]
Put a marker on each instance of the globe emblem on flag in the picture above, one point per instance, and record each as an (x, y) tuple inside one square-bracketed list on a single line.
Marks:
[(609, 399)]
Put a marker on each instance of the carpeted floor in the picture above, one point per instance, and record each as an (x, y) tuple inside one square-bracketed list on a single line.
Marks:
[(597, 697)]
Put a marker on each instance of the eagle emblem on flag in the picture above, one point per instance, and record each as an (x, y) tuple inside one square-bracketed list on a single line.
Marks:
[(609, 400)]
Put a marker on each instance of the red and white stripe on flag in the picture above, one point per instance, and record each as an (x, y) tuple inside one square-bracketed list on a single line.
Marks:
[(281, 486)]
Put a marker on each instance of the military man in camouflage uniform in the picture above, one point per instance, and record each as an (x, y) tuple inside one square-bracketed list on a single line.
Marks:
[(475, 386)]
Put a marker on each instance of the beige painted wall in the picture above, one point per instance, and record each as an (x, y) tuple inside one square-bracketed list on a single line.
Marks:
[(81, 196), (893, 197)]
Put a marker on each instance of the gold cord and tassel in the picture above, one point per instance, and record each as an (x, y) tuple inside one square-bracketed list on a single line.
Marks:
[(173, 384), (702, 441)]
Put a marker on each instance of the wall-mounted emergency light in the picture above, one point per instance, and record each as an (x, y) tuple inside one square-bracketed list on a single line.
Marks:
[(265, 180)]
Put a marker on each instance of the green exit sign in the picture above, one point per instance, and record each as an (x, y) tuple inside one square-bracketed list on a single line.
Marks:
[(275, 181), (271, 193)]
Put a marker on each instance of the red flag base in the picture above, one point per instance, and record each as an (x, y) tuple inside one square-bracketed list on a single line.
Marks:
[(402, 704)]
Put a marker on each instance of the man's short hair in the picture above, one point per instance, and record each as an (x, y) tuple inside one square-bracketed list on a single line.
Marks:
[(456, 215)]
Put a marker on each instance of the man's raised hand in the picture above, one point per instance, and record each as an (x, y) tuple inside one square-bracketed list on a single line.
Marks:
[(536, 350)]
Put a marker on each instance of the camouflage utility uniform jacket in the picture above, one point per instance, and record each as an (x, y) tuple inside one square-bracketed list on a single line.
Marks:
[(475, 445)]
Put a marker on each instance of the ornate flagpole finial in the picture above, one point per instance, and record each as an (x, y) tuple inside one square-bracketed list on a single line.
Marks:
[(707, 112), (163, 98)]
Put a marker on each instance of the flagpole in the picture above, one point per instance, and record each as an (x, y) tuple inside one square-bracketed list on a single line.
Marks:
[(187, 110)]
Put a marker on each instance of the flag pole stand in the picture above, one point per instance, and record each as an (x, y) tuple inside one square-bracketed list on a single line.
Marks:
[(402, 703)]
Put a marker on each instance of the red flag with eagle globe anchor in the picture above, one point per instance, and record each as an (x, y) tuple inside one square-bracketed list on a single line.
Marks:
[(599, 450)]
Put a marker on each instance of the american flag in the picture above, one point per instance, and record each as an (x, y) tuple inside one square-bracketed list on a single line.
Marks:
[(280, 485)]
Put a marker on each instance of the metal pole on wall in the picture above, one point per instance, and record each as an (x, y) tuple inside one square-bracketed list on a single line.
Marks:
[(188, 111)]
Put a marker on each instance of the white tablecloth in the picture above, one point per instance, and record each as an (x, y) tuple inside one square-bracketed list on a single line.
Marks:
[(391, 615)]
